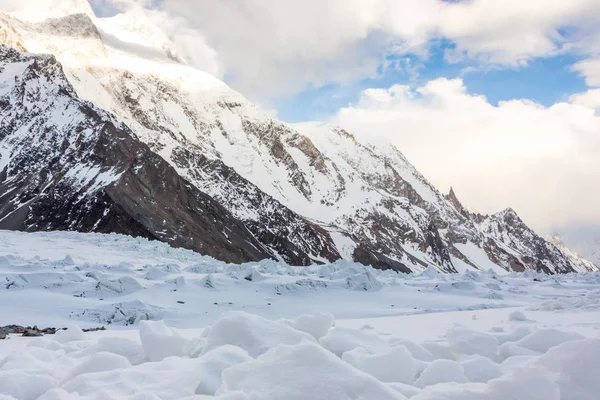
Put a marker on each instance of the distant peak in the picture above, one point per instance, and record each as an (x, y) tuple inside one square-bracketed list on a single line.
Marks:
[(509, 211), (555, 239), (451, 196), (509, 215)]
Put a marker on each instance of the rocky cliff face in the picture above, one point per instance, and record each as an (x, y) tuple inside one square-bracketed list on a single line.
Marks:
[(301, 193), (66, 165)]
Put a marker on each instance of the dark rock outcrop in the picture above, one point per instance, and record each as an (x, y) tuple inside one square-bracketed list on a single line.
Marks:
[(69, 166)]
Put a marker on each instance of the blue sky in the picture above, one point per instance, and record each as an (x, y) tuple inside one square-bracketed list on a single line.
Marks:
[(543, 80)]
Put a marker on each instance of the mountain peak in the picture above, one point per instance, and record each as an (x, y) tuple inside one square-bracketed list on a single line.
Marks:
[(56, 9), (453, 198)]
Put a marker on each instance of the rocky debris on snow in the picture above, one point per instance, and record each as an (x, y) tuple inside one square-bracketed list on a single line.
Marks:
[(32, 333), (28, 331), (94, 329)]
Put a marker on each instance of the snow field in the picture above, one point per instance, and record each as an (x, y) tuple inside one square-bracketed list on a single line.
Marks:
[(183, 326)]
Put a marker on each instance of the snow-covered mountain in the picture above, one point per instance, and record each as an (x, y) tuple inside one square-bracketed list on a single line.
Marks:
[(67, 165), (583, 240), (302, 193)]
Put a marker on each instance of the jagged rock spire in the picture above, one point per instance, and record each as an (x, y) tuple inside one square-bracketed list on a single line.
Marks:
[(454, 199)]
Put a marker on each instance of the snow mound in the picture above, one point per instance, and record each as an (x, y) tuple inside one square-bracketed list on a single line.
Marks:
[(517, 316), (309, 372), (394, 365), (159, 341), (341, 340), (252, 333), (25, 385), (317, 324), (570, 363), (441, 371), (99, 362), (481, 369), (214, 363), (468, 341), (419, 352), (130, 349), (544, 339), (364, 281)]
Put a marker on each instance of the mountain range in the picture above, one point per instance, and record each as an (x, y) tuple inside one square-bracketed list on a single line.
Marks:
[(104, 128)]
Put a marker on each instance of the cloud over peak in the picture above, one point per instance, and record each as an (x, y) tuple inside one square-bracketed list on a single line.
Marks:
[(543, 161)]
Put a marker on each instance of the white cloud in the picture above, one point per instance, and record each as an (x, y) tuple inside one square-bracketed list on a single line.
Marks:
[(511, 32), (590, 69), (268, 48), (590, 99), (273, 47), (542, 161)]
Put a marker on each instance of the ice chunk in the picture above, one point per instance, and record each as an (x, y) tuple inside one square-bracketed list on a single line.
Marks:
[(481, 369), (68, 260), (254, 276), (545, 339), (419, 352), (237, 395), (517, 316), (340, 340), (317, 324), (441, 371), (354, 356), (525, 386), (207, 282), (213, 364), (393, 365), (73, 334), (516, 334), (575, 365), (159, 341), (99, 362), (509, 349), (304, 371), (404, 389), (23, 384), (252, 333), (439, 350), (130, 349), (469, 342), (431, 272), (365, 281)]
